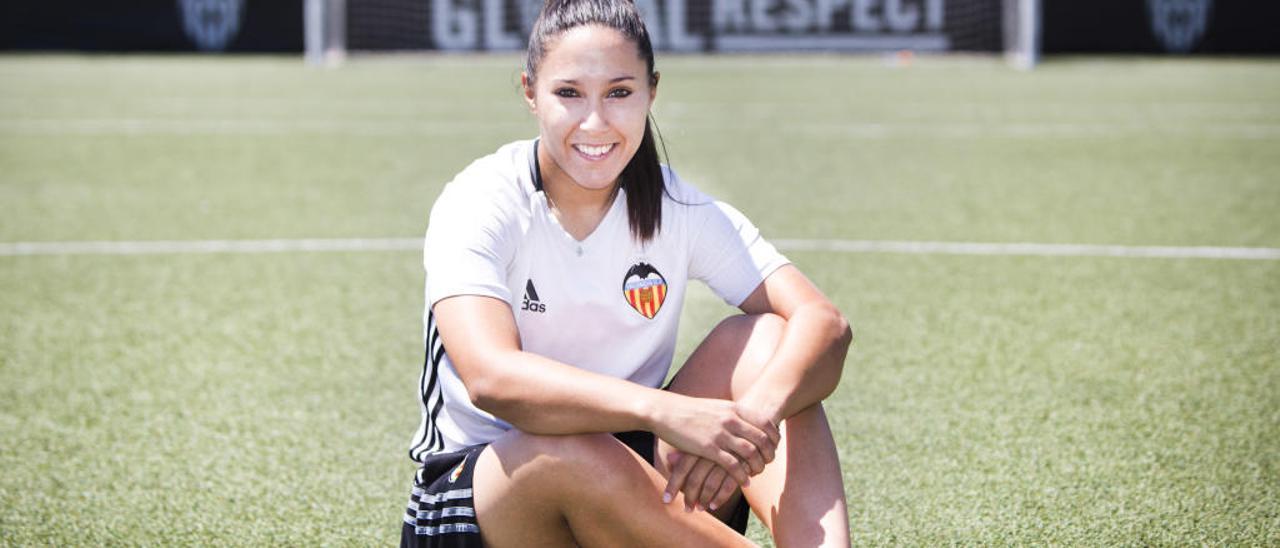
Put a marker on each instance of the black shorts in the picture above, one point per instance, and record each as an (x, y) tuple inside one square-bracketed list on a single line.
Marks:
[(442, 513)]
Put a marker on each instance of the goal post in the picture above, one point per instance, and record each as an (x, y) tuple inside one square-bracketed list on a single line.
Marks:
[(1022, 33), (325, 31), (1008, 27)]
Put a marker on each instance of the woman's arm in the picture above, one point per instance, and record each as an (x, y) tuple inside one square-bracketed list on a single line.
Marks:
[(809, 360), (542, 396), (805, 369)]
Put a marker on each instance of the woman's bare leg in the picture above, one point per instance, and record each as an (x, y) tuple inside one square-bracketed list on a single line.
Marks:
[(591, 490), (800, 496), (588, 490)]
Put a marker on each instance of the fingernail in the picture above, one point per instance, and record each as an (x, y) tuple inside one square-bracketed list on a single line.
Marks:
[(713, 506), (666, 498)]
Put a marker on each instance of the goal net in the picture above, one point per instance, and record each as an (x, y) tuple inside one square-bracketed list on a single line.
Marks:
[(995, 26)]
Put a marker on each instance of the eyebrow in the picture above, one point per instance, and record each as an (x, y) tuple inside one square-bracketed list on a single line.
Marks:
[(613, 81)]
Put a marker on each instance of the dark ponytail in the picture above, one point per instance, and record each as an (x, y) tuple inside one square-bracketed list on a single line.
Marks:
[(643, 182), (642, 178)]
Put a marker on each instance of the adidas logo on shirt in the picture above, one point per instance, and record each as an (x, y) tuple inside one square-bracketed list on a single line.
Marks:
[(531, 302)]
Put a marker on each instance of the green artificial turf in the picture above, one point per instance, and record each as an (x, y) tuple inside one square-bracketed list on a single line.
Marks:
[(270, 398)]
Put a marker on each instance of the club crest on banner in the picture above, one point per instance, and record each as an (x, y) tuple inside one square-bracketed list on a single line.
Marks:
[(645, 289), (211, 24), (1179, 24)]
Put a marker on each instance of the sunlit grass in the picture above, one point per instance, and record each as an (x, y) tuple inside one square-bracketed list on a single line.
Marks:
[(269, 399)]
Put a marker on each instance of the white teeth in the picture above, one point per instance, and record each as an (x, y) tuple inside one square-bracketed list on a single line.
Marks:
[(594, 151)]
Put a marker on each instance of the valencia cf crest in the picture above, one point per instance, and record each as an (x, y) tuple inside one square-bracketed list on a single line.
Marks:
[(211, 24), (645, 289), (1179, 24)]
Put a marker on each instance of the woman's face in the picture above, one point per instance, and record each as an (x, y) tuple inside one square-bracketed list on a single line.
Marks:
[(591, 96)]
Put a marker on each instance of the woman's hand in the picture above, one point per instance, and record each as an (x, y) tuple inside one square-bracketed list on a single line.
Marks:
[(717, 431), (705, 484)]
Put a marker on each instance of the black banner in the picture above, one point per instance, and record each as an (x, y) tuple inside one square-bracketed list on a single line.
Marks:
[(498, 25), (1153, 26), (152, 25), (1069, 26), (693, 25)]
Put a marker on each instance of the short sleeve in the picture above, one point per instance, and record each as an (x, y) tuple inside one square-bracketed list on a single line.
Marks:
[(468, 246), (729, 254)]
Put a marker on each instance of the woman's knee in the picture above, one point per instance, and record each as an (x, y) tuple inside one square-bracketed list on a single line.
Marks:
[(752, 337), (765, 332), (732, 356), (742, 326)]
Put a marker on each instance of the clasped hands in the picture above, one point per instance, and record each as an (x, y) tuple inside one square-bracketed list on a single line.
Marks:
[(719, 445)]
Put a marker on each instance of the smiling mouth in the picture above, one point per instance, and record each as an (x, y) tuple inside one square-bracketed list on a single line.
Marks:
[(594, 152)]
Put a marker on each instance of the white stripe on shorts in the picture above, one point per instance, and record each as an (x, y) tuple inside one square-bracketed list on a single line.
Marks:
[(428, 498), (446, 529), (447, 512)]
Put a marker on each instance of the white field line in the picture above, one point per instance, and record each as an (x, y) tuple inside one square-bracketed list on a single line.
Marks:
[(209, 246), (425, 127), (832, 246), (232, 126), (1029, 249)]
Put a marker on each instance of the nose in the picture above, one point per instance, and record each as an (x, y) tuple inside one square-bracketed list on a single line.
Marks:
[(594, 120)]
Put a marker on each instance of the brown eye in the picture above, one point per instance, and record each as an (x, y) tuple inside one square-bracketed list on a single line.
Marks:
[(620, 92), (566, 92)]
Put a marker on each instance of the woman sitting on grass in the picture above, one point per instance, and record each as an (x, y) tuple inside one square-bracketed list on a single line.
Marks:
[(556, 270)]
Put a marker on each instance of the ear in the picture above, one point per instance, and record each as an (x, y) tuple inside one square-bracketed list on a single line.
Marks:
[(529, 92), (653, 86)]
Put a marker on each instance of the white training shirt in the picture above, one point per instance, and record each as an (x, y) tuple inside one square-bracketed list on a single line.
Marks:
[(606, 304)]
